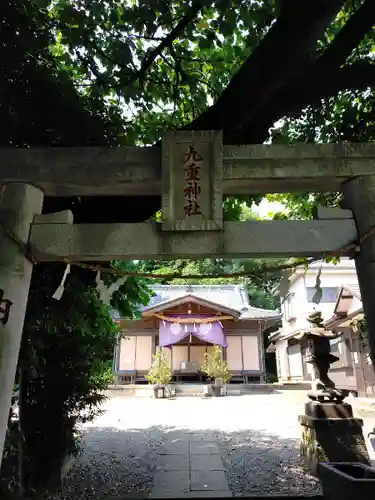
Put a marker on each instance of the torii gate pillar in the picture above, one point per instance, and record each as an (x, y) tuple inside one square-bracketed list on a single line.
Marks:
[(19, 203), (359, 196)]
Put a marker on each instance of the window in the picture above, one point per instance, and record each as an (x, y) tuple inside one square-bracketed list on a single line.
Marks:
[(289, 307), (329, 294)]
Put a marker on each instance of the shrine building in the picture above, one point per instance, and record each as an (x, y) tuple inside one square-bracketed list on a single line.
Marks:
[(186, 322)]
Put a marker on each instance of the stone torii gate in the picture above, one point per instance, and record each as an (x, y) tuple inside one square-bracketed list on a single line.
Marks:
[(191, 171)]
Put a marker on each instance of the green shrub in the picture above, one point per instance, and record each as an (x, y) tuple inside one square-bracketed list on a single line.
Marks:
[(215, 367), (66, 364), (160, 372)]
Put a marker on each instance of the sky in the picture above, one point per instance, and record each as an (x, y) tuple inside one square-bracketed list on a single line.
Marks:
[(265, 207)]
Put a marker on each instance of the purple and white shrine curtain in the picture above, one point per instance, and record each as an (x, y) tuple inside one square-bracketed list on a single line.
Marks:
[(172, 332)]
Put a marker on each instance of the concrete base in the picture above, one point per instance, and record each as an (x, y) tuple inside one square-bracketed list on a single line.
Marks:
[(199, 390), (330, 433)]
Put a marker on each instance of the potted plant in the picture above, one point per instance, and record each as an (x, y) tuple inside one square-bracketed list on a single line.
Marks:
[(160, 374), (217, 370)]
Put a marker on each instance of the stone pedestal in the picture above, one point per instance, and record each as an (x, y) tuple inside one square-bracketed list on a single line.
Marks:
[(330, 433)]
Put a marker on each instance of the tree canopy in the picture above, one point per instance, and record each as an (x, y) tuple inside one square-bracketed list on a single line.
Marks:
[(236, 66), (122, 72)]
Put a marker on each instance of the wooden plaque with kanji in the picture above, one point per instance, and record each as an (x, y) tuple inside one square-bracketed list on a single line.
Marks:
[(192, 178)]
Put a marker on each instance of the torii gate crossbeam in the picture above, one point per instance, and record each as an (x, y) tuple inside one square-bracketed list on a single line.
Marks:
[(191, 171), (271, 168), (147, 241)]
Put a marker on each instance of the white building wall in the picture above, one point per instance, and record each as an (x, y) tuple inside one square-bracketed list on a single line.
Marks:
[(283, 372), (299, 306), (302, 307), (327, 281), (295, 362), (355, 304), (331, 276)]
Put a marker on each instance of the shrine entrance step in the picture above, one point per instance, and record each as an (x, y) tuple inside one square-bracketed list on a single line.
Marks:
[(198, 389)]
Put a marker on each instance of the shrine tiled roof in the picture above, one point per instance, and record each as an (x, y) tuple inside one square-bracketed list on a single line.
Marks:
[(229, 296)]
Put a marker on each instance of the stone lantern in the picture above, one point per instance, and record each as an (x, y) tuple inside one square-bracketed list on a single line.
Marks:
[(315, 344), (329, 431)]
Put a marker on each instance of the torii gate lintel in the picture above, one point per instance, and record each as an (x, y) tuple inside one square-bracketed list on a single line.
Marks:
[(129, 171), (51, 242), (196, 172)]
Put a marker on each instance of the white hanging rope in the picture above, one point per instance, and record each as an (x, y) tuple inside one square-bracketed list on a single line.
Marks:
[(60, 289)]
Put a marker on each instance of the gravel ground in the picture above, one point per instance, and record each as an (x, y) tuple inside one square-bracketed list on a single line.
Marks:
[(118, 455), (262, 464), (261, 447), (258, 435), (112, 464)]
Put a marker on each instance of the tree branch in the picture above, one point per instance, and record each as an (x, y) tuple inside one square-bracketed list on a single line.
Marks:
[(316, 81), (168, 40), (314, 87), (350, 36), (356, 76), (284, 50)]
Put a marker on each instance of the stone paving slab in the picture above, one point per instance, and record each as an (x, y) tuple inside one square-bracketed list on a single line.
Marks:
[(190, 468), (204, 462), (202, 438), (175, 448), (208, 494), (204, 448), (173, 463), (208, 480), (166, 482), (196, 494)]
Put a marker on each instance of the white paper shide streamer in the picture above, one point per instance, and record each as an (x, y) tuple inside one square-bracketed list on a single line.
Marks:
[(60, 290), (105, 293)]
